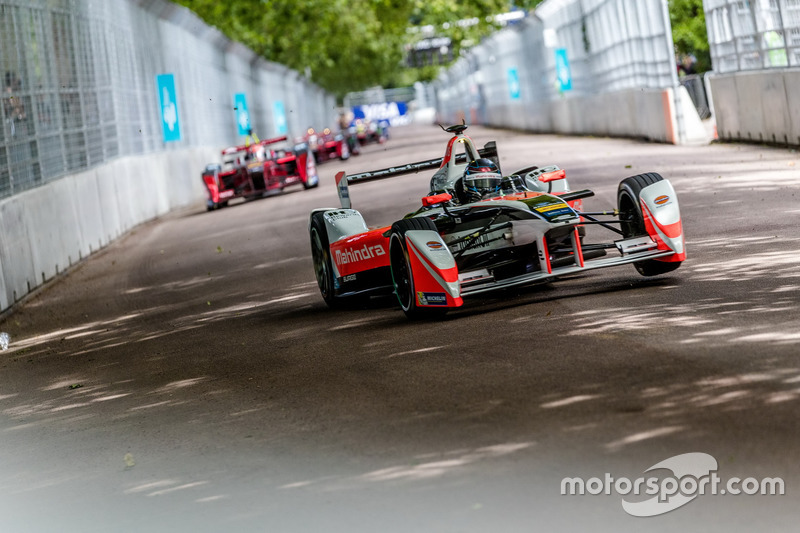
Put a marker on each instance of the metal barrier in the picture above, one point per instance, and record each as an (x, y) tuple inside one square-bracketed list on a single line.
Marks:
[(79, 86), (697, 92), (576, 66), (613, 44), (753, 34)]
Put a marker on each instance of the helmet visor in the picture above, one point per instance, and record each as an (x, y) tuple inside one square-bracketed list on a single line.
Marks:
[(483, 182)]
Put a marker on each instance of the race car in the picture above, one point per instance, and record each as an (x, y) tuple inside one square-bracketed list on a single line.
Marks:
[(368, 131), (479, 231), (251, 170), (326, 145)]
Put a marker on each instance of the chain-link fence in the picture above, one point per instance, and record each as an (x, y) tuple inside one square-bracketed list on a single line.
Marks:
[(79, 86), (753, 34), (544, 73), (612, 44)]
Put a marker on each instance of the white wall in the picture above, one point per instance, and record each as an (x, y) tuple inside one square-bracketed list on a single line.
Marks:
[(48, 229), (761, 106)]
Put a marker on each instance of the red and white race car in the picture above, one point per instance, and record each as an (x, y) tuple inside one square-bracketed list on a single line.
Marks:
[(251, 170), (326, 145), (479, 231)]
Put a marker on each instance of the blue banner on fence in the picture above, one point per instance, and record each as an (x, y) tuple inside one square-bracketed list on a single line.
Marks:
[(563, 73), (242, 114), (513, 83), (391, 113), (168, 101), (279, 114)]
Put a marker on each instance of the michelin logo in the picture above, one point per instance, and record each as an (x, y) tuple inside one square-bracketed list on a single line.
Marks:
[(432, 298)]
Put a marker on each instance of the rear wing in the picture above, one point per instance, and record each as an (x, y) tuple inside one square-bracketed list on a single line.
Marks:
[(489, 151), (248, 146)]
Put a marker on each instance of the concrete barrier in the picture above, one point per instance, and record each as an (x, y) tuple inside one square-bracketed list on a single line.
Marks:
[(758, 106), (643, 113), (48, 229)]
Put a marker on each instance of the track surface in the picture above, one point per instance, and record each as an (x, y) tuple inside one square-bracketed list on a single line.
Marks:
[(218, 393)]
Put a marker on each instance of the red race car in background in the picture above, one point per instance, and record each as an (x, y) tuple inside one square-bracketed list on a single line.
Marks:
[(368, 131), (251, 170), (326, 145)]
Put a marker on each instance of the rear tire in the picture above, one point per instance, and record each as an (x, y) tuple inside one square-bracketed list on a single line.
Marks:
[(630, 209), (402, 277)]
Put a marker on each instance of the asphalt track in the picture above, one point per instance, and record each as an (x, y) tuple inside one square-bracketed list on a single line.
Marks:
[(190, 378)]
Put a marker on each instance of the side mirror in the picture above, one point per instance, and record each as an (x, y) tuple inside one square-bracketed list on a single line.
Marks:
[(428, 201), (554, 175)]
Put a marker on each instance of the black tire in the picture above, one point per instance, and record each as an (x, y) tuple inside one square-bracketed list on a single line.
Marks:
[(321, 258), (633, 221), (323, 269), (355, 147), (306, 185), (402, 278)]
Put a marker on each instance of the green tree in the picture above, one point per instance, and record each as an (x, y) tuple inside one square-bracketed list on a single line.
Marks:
[(347, 45), (689, 31)]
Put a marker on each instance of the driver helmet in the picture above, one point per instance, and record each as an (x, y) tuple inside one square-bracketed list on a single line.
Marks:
[(481, 179)]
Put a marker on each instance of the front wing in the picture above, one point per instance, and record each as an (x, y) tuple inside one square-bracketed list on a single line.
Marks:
[(361, 264)]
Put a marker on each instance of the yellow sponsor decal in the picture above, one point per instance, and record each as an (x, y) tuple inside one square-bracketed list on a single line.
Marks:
[(546, 208)]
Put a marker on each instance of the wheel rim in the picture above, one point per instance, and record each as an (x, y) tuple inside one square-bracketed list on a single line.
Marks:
[(320, 264), (401, 275)]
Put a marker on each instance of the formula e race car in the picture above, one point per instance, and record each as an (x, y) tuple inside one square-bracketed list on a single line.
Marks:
[(251, 170), (368, 131), (479, 231), (326, 145)]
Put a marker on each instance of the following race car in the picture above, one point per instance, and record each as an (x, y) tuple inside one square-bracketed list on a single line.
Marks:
[(368, 131), (479, 231), (251, 170), (326, 145)]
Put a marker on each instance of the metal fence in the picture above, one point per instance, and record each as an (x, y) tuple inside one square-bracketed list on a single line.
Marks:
[(567, 49), (502, 81), (753, 34), (612, 44), (79, 86), (696, 87)]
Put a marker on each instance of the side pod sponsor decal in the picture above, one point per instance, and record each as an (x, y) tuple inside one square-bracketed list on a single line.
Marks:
[(350, 255), (431, 298), (661, 200)]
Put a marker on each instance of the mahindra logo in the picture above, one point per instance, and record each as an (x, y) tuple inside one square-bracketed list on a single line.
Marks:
[(361, 254)]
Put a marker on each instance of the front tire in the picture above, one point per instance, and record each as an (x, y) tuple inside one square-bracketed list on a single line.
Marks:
[(323, 268), (630, 208), (321, 257), (402, 276)]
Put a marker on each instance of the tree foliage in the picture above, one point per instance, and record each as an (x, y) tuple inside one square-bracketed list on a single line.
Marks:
[(346, 45), (689, 31), (349, 45)]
